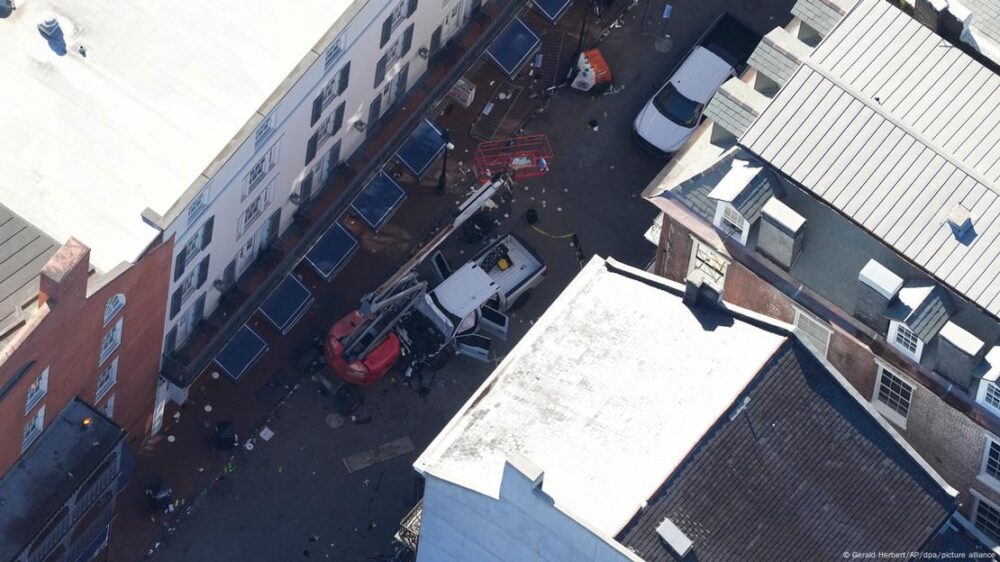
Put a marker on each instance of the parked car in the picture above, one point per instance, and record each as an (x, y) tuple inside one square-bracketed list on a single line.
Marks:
[(673, 113)]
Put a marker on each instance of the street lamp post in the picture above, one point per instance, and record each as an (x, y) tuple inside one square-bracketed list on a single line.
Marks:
[(442, 185), (583, 27)]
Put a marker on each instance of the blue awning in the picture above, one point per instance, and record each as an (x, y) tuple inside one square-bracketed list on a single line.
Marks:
[(331, 252), (512, 48), (421, 149), (241, 352), (552, 9), (286, 304), (378, 201)]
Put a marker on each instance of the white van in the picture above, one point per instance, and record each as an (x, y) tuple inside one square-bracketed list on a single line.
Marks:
[(671, 116)]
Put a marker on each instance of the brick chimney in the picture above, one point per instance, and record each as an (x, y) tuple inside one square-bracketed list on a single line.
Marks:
[(63, 279), (877, 286)]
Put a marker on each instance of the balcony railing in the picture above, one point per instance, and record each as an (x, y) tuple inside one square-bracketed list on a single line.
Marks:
[(409, 527)]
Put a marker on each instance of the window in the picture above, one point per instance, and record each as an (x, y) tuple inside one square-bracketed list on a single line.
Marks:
[(113, 307), (259, 170), (333, 88), (324, 169), (33, 429), (333, 53), (987, 519), (196, 244), (730, 221), (679, 109), (707, 264), (892, 396), (330, 127), (991, 462), (37, 390), (402, 10), (197, 206), (106, 379), (111, 340), (109, 407), (255, 209), (902, 338), (264, 131), (813, 330), (399, 48), (989, 395)]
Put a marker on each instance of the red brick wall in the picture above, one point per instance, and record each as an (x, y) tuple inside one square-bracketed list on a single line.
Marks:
[(66, 335), (746, 290), (674, 252), (854, 360)]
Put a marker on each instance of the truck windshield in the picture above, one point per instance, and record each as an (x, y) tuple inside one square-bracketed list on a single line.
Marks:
[(674, 106)]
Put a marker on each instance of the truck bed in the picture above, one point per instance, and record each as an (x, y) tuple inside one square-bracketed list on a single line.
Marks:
[(525, 263)]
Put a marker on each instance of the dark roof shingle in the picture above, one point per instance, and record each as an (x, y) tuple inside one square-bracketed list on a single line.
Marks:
[(804, 472)]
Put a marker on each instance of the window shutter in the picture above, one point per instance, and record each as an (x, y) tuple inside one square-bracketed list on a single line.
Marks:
[(311, 148), (386, 31), (317, 109), (338, 117), (407, 40), (171, 341), (306, 187), (206, 232), (202, 272), (380, 69), (179, 263), (175, 302), (411, 7), (345, 78)]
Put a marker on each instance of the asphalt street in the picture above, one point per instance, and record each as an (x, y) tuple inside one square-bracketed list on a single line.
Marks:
[(292, 498)]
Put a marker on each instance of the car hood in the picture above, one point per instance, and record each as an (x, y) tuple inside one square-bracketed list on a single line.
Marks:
[(659, 131)]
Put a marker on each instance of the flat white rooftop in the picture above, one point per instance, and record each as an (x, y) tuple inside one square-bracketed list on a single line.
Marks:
[(89, 142), (607, 393)]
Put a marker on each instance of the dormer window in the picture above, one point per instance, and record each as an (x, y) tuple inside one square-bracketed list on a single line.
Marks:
[(730, 221), (740, 194), (905, 340)]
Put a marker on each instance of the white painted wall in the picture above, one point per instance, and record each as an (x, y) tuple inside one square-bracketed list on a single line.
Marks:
[(460, 525), (290, 118)]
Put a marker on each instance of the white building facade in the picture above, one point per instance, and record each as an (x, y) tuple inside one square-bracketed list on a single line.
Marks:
[(291, 148)]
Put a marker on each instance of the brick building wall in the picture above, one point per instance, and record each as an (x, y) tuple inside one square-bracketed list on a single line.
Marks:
[(951, 442), (65, 336)]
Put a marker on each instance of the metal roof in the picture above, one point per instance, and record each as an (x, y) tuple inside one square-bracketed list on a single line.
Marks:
[(892, 126), (778, 55), (735, 106)]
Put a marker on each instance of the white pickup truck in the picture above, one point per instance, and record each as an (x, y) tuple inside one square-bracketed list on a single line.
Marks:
[(479, 293)]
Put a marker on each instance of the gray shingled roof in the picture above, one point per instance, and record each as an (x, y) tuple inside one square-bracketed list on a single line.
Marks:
[(821, 15), (803, 473), (778, 55), (985, 17), (924, 307), (24, 250), (893, 127), (752, 199), (735, 106), (693, 192)]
